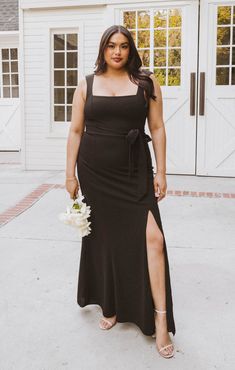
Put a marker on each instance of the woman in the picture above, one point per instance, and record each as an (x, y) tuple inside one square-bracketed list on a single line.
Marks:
[(124, 265)]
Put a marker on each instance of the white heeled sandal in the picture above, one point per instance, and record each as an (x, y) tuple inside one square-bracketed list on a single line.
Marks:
[(164, 347), (111, 323)]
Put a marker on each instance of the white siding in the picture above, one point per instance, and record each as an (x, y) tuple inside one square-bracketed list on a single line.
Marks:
[(35, 4), (43, 152)]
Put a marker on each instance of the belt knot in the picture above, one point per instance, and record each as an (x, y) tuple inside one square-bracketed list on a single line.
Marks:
[(132, 135)]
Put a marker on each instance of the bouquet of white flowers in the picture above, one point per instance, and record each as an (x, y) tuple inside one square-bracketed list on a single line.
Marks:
[(77, 216)]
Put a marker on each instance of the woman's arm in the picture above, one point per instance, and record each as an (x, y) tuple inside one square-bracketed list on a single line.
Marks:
[(157, 128), (158, 134), (76, 128)]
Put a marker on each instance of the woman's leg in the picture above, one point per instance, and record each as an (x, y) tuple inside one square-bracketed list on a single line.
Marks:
[(156, 265)]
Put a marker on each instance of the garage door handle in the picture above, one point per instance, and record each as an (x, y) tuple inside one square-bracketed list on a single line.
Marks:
[(192, 93), (202, 94)]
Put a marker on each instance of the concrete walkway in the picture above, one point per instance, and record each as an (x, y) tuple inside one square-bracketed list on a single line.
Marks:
[(43, 328)]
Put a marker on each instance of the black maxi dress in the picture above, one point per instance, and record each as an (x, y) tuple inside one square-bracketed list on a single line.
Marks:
[(115, 173)]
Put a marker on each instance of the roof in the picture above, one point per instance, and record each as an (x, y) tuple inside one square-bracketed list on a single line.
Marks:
[(9, 19)]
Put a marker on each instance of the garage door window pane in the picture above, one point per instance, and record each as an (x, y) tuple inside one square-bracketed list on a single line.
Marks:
[(59, 78), (5, 54), (59, 96), (233, 76), (70, 93), (72, 41), (72, 60), (6, 80), (14, 67), (5, 67), (58, 60), (59, 42), (14, 79), (69, 112), (6, 92), (14, 54), (15, 92), (59, 113), (71, 78)]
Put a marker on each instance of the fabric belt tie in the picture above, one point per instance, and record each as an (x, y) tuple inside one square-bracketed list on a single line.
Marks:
[(134, 136)]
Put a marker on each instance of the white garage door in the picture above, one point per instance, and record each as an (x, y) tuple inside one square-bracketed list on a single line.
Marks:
[(190, 46), (10, 128)]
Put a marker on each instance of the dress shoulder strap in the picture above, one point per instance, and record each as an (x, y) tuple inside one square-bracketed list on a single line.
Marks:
[(89, 81)]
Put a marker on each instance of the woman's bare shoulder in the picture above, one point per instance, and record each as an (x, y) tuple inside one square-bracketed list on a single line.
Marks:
[(80, 91), (154, 79), (157, 86)]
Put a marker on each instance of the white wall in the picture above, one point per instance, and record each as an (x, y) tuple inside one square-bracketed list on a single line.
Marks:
[(43, 150)]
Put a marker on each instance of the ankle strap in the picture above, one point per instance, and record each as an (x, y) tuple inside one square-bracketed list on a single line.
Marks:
[(159, 311)]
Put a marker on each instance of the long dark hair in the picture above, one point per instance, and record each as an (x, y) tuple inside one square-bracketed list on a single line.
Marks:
[(133, 65)]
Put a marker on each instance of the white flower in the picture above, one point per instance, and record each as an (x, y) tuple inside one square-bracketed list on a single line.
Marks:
[(77, 216)]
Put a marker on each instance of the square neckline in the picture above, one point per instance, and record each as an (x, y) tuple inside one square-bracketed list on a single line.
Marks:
[(111, 96)]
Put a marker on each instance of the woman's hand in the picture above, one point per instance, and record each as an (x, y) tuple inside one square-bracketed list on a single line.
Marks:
[(160, 186), (72, 186)]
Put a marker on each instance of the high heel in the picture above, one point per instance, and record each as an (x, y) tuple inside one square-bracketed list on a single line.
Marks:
[(166, 346), (111, 323)]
